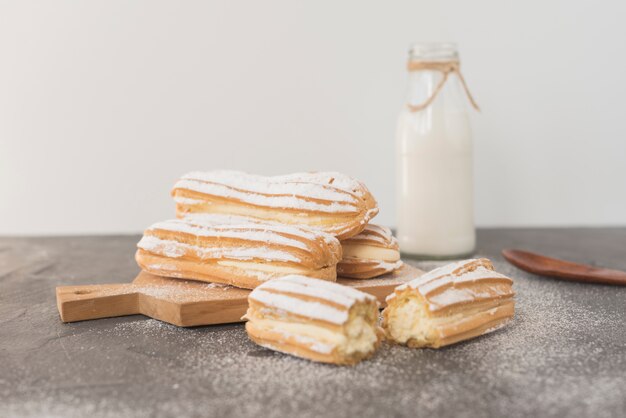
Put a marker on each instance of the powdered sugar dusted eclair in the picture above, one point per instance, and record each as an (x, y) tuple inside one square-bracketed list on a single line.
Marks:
[(314, 319), (369, 254), (450, 304), (236, 251), (332, 202)]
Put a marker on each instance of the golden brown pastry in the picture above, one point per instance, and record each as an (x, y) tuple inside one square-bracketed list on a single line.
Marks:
[(370, 254), (450, 304), (332, 202), (314, 319), (236, 251)]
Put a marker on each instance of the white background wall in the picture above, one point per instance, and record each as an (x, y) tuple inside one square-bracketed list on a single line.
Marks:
[(103, 104)]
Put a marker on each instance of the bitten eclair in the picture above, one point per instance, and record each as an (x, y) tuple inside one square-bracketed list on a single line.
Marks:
[(332, 202), (314, 319), (236, 251), (450, 304), (369, 254)]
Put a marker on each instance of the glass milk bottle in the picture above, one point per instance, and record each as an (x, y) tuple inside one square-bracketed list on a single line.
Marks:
[(435, 214)]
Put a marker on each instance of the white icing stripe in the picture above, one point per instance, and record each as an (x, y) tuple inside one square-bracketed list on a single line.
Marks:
[(172, 249), (454, 296), (433, 284), (389, 266), (479, 274), (175, 249), (375, 234), (333, 178), (273, 201), (187, 200), (309, 282), (380, 231), (297, 288), (246, 232), (447, 277), (214, 219), (311, 343), (162, 266), (273, 185), (438, 272), (314, 185), (314, 310), (369, 238), (369, 215)]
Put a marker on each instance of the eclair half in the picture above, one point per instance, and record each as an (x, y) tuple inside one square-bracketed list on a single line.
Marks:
[(332, 202), (236, 251), (369, 254), (450, 304), (314, 319)]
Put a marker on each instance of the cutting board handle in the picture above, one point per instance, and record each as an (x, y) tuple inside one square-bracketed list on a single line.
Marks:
[(79, 303)]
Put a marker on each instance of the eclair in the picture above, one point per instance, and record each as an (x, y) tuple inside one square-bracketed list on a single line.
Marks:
[(332, 202), (369, 254), (314, 319), (450, 304), (236, 251)]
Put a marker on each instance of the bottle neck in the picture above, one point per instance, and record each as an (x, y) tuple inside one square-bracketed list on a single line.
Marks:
[(424, 84), (435, 78)]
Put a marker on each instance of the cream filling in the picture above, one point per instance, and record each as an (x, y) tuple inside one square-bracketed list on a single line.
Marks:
[(358, 335), (268, 268), (370, 252), (361, 336), (411, 321)]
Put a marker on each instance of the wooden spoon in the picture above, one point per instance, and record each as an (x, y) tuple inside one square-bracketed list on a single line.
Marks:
[(553, 267)]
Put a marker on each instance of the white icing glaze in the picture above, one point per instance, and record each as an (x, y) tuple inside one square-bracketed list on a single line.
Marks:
[(378, 232), (390, 266), (289, 191), (215, 219), (375, 236), (261, 239), (288, 201), (454, 295), (175, 249), (168, 248), (438, 272), (324, 185), (313, 310), (448, 276), (323, 289), (332, 178), (311, 343), (479, 274), (162, 266), (249, 232), (310, 291), (268, 268), (313, 288)]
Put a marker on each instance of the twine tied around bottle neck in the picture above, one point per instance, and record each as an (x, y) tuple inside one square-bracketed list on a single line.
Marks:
[(446, 68)]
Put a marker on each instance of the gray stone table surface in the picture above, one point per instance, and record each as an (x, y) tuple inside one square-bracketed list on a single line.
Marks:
[(563, 355)]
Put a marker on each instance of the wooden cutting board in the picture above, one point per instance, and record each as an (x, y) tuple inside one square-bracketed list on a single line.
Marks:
[(186, 303)]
